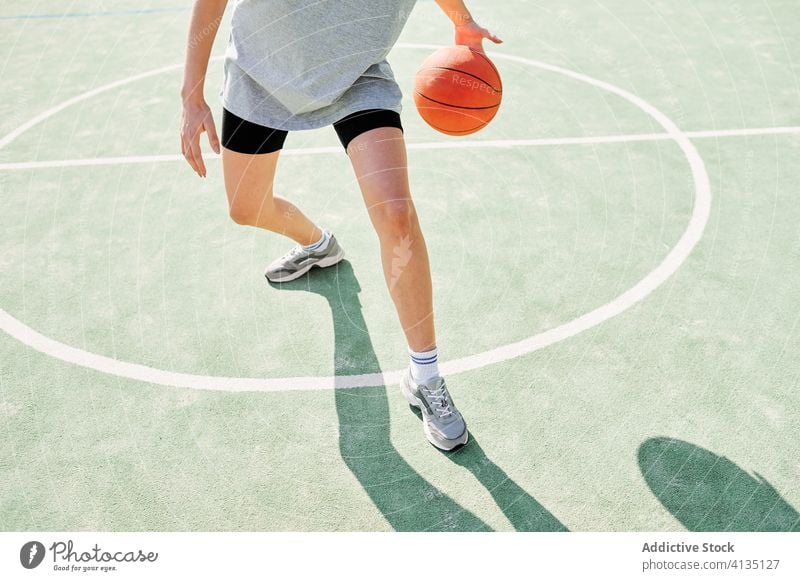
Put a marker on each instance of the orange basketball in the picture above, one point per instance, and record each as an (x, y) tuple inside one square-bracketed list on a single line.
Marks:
[(458, 90)]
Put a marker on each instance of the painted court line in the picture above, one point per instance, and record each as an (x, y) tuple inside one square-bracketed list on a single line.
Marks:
[(498, 143), (669, 265), (60, 15)]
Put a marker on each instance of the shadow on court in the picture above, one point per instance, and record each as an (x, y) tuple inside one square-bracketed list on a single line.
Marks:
[(706, 492), (520, 508), (406, 500)]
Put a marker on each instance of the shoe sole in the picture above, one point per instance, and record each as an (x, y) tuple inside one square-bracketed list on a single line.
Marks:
[(446, 445), (324, 263)]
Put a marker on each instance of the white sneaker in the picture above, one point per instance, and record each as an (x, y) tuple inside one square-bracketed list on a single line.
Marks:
[(298, 261), (443, 424)]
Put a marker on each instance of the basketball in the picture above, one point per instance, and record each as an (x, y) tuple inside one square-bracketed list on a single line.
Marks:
[(457, 90)]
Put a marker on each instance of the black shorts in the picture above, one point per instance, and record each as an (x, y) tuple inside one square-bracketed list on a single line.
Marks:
[(246, 137)]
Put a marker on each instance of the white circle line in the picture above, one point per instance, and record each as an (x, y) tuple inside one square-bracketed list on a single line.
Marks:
[(671, 263), (431, 145)]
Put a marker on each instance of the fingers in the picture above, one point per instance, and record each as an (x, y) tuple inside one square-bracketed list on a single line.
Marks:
[(472, 35), (193, 122), (197, 156), (493, 37), (187, 153), (477, 44), (211, 130), (190, 148)]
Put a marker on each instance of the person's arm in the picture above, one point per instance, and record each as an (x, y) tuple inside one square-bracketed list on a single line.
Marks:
[(196, 115), (468, 32)]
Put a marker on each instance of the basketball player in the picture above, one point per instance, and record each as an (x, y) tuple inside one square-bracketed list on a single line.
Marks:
[(294, 65)]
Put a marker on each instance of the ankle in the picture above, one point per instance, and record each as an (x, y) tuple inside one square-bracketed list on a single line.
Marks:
[(424, 365), (318, 242)]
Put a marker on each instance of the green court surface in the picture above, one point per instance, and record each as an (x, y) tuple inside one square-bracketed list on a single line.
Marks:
[(615, 262)]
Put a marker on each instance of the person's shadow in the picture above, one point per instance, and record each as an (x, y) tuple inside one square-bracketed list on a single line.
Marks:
[(707, 492), (406, 500)]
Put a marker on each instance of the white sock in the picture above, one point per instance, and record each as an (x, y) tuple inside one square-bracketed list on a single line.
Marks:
[(319, 244), (424, 364)]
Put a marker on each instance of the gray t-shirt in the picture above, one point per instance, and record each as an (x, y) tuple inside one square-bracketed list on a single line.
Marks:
[(303, 64)]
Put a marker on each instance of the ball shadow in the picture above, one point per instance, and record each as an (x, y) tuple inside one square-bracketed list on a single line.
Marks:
[(707, 492)]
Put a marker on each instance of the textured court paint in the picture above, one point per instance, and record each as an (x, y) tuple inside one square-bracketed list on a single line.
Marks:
[(710, 360), (60, 15), (461, 144), (655, 278)]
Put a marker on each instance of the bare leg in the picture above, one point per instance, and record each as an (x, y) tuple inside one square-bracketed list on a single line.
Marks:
[(249, 185), (379, 161)]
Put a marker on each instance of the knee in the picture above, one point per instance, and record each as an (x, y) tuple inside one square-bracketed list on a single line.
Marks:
[(395, 217), (242, 214), (249, 213)]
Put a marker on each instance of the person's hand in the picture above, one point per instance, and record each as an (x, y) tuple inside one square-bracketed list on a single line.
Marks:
[(195, 119), (471, 34)]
